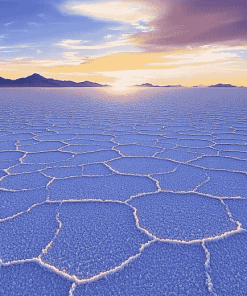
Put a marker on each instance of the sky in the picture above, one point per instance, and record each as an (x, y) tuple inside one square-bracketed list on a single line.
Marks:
[(123, 42)]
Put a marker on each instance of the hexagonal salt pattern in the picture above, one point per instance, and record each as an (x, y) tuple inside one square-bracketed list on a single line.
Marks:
[(113, 194)]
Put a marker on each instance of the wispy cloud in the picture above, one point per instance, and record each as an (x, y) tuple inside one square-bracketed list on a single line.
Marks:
[(18, 31), (16, 60), (122, 11), (108, 36), (42, 15), (200, 56), (35, 25), (9, 51), (19, 46), (68, 59), (8, 24), (121, 28), (76, 44), (69, 42)]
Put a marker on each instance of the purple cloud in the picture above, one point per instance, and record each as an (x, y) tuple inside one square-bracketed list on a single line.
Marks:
[(195, 22)]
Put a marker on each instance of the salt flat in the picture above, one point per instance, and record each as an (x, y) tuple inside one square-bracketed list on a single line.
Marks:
[(140, 192)]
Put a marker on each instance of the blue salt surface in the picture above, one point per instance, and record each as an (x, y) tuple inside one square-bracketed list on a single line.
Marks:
[(162, 269), (94, 238), (169, 133), (61, 127), (92, 157), (167, 142), (123, 128), (54, 137), (137, 150), (63, 172), (142, 165), (96, 170), (26, 168), (84, 148), (225, 184), (46, 133), (182, 216), (97, 137), (7, 164), (7, 145), (221, 163), (206, 151), (12, 203), (194, 143), (13, 155), (114, 187), (47, 157), (242, 132), (178, 128), (228, 264), (177, 155), (230, 136), (26, 235), (42, 147), (155, 133), (27, 142), (110, 132), (2, 132), (231, 147), (189, 136), (184, 178), (71, 130), (132, 139), (82, 142), (236, 154), (156, 118), (230, 141), (24, 181), (145, 127), (78, 130), (147, 143), (22, 136), (180, 149), (2, 173), (238, 209), (32, 279)]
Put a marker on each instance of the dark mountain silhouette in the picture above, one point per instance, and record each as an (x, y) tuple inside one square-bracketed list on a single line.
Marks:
[(5, 82), (151, 85), (37, 80), (67, 83), (147, 85), (173, 85), (222, 85)]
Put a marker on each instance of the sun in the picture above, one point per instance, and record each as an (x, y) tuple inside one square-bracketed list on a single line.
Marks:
[(120, 86)]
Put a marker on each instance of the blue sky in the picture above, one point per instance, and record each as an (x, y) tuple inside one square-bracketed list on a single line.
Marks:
[(40, 26)]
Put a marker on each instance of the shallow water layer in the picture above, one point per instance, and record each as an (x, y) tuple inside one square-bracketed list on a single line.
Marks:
[(140, 192)]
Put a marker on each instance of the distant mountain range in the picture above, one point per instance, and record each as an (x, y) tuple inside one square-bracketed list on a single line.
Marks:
[(151, 85), (222, 85), (37, 80), (179, 85)]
